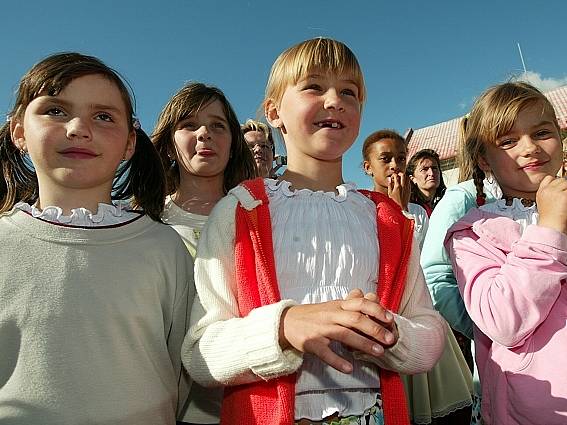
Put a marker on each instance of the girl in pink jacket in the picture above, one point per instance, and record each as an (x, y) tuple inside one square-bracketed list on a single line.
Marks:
[(510, 256)]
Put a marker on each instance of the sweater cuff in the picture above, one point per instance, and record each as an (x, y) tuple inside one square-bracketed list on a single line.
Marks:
[(265, 357), (548, 240)]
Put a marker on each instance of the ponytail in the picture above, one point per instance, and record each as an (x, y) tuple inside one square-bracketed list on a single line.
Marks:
[(142, 178), (19, 182)]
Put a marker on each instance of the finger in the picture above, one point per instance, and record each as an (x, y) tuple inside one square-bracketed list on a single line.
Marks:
[(396, 179), (375, 329), (369, 307), (357, 341), (371, 296), (546, 181), (355, 293), (322, 350)]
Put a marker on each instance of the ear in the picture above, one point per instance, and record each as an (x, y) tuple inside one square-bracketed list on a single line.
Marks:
[(366, 167), (483, 163), (272, 116), (130, 145), (17, 134), (412, 178)]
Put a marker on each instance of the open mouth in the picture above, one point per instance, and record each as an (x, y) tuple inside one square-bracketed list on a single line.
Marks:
[(329, 124), (206, 152)]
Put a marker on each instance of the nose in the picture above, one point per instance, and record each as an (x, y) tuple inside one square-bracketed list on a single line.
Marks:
[(529, 145), (333, 100), (78, 128), (395, 166), (203, 133)]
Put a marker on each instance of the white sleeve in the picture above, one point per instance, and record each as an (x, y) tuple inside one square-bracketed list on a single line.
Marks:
[(222, 348), (421, 329)]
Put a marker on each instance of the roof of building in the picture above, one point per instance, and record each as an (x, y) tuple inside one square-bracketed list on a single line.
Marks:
[(443, 137)]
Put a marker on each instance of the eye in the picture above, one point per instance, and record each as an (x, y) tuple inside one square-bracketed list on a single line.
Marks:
[(103, 116), (350, 92), (54, 111), (507, 143), (219, 125), (543, 134), (312, 86), (188, 125)]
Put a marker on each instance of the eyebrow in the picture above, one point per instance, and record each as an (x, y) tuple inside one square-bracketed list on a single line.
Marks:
[(544, 122), (95, 106), (220, 118), (347, 80)]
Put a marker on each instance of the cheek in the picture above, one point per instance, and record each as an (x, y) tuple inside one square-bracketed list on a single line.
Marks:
[(185, 143), (223, 147)]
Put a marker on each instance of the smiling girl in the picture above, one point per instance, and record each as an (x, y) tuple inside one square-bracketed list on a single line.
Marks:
[(93, 294), (303, 314), (510, 257)]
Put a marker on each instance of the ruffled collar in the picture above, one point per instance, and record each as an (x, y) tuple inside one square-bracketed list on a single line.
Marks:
[(515, 204), (285, 188), (107, 215)]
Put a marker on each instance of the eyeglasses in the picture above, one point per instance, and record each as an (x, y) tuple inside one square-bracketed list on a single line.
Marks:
[(262, 146)]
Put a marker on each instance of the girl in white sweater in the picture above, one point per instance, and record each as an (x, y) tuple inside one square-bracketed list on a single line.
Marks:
[(307, 302), (93, 294)]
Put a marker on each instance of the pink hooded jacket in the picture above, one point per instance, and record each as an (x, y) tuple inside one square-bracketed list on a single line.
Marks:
[(513, 287)]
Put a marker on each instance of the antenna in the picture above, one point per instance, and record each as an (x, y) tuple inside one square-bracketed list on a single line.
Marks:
[(522, 58)]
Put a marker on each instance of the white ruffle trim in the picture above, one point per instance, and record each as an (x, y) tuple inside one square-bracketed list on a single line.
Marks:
[(285, 188), (107, 214)]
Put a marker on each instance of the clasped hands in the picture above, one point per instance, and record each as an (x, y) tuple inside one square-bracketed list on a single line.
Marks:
[(359, 322)]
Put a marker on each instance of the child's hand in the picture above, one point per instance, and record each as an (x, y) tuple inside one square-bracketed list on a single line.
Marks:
[(356, 322), (399, 189), (551, 199)]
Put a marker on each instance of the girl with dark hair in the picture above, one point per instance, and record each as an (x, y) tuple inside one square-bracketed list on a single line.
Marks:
[(93, 293), (201, 145)]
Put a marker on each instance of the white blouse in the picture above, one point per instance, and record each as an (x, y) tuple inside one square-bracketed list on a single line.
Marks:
[(187, 224), (329, 246), (521, 214), (107, 214)]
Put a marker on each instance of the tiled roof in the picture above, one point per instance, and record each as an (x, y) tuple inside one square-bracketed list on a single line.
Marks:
[(443, 137)]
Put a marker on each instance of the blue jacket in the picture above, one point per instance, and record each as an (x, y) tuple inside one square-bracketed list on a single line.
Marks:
[(436, 263)]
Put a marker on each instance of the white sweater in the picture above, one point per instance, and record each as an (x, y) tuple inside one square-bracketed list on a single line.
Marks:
[(91, 322), (325, 245)]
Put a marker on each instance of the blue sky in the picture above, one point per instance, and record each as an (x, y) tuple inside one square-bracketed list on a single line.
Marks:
[(424, 61)]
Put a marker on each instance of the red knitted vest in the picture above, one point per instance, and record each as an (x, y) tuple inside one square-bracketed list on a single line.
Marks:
[(272, 402)]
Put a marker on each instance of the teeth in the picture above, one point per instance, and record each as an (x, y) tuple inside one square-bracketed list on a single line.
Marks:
[(327, 124)]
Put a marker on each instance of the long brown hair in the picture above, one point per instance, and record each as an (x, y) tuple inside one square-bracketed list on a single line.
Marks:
[(140, 178), (187, 102)]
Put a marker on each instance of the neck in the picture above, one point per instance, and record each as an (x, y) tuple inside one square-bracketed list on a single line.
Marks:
[(380, 189), (314, 174), (198, 194), (68, 199), (428, 195)]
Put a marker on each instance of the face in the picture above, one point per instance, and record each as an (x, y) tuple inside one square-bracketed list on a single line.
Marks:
[(319, 117), (77, 139), (427, 176), (531, 150), (202, 142), (385, 157), (261, 150)]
